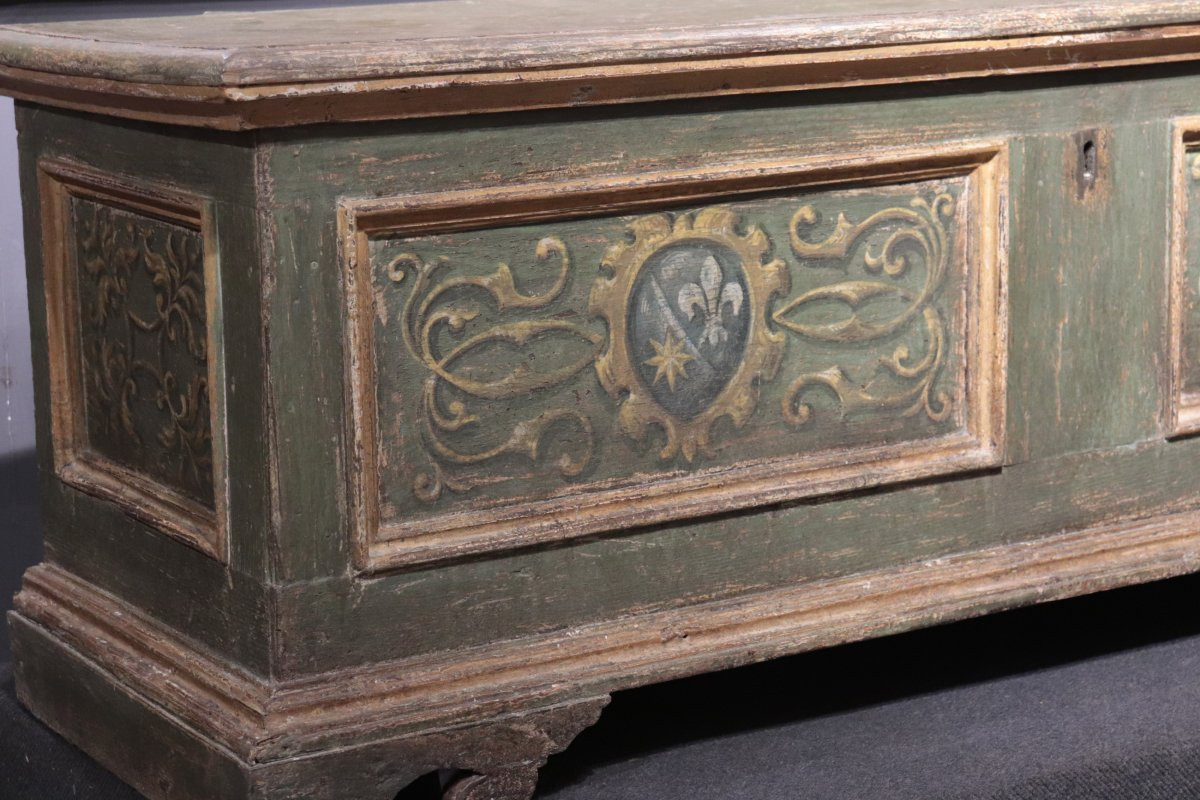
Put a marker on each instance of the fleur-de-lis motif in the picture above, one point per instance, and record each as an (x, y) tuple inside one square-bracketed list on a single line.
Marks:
[(710, 297)]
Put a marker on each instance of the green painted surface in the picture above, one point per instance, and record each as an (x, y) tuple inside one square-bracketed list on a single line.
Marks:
[(225, 609), (1087, 285), (1088, 294), (156, 754), (1090, 270)]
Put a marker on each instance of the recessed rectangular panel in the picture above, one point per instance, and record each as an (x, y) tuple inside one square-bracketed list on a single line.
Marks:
[(143, 329), (542, 378), (130, 279)]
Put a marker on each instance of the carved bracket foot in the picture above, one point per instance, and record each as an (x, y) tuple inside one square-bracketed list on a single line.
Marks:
[(503, 758), (499, 759)]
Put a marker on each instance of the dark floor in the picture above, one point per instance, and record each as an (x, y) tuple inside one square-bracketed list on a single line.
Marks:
[(1097, 698), (20, 540)]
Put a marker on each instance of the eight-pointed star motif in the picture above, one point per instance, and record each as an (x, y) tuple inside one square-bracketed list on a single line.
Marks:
[(668, 361)]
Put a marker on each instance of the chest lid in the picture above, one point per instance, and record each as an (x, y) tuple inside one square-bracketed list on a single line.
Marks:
[(266, 66)]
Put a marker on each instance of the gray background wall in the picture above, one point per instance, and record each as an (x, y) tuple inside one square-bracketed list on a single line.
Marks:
[(20, 543), (16, 391)]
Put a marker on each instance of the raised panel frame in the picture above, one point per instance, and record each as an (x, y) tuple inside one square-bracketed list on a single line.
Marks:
[(1183, 407), (141, 496), (381, 545)]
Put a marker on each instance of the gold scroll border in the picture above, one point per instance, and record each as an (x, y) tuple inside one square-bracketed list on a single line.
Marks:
[(138, 495), (381, 545)]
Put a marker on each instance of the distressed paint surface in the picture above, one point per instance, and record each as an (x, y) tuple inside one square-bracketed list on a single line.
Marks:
[(489, 388), (295, 659), (417, 59), (225, 607), (688, 307), (395, 39), (1109, 462), (1190, 351), (1089, 307)]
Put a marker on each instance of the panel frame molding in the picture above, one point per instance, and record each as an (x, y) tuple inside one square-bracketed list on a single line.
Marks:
[(140, 496), (382, 545), (1182, 412)]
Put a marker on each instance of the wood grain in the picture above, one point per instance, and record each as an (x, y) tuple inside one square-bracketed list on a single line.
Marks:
[(165, 756), (268, 721), (222, 604), (237, 71), (456, 36)]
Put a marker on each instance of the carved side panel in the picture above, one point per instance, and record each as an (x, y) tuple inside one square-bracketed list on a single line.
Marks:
[(533, 380), (130, 283), (143, 329)]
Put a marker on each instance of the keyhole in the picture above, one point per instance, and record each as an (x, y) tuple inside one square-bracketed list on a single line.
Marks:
[(1088, 165)]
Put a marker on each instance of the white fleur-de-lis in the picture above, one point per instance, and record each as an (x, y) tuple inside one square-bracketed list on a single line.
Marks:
[(710, 297)]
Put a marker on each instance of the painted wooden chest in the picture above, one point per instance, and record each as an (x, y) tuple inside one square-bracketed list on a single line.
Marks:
[(413, 376)]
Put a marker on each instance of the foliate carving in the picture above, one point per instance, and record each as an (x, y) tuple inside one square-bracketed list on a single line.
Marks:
[(143, 334)]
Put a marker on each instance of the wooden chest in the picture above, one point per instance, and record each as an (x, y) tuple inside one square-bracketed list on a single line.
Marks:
[(411, 377)]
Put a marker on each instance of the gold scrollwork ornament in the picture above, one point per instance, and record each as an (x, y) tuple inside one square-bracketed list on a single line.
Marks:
[(430, 309), (714, 297), (914, 234)]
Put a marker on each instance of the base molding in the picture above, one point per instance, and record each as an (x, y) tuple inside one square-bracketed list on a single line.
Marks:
[(85, 658), (146, 746), (164, 758)]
